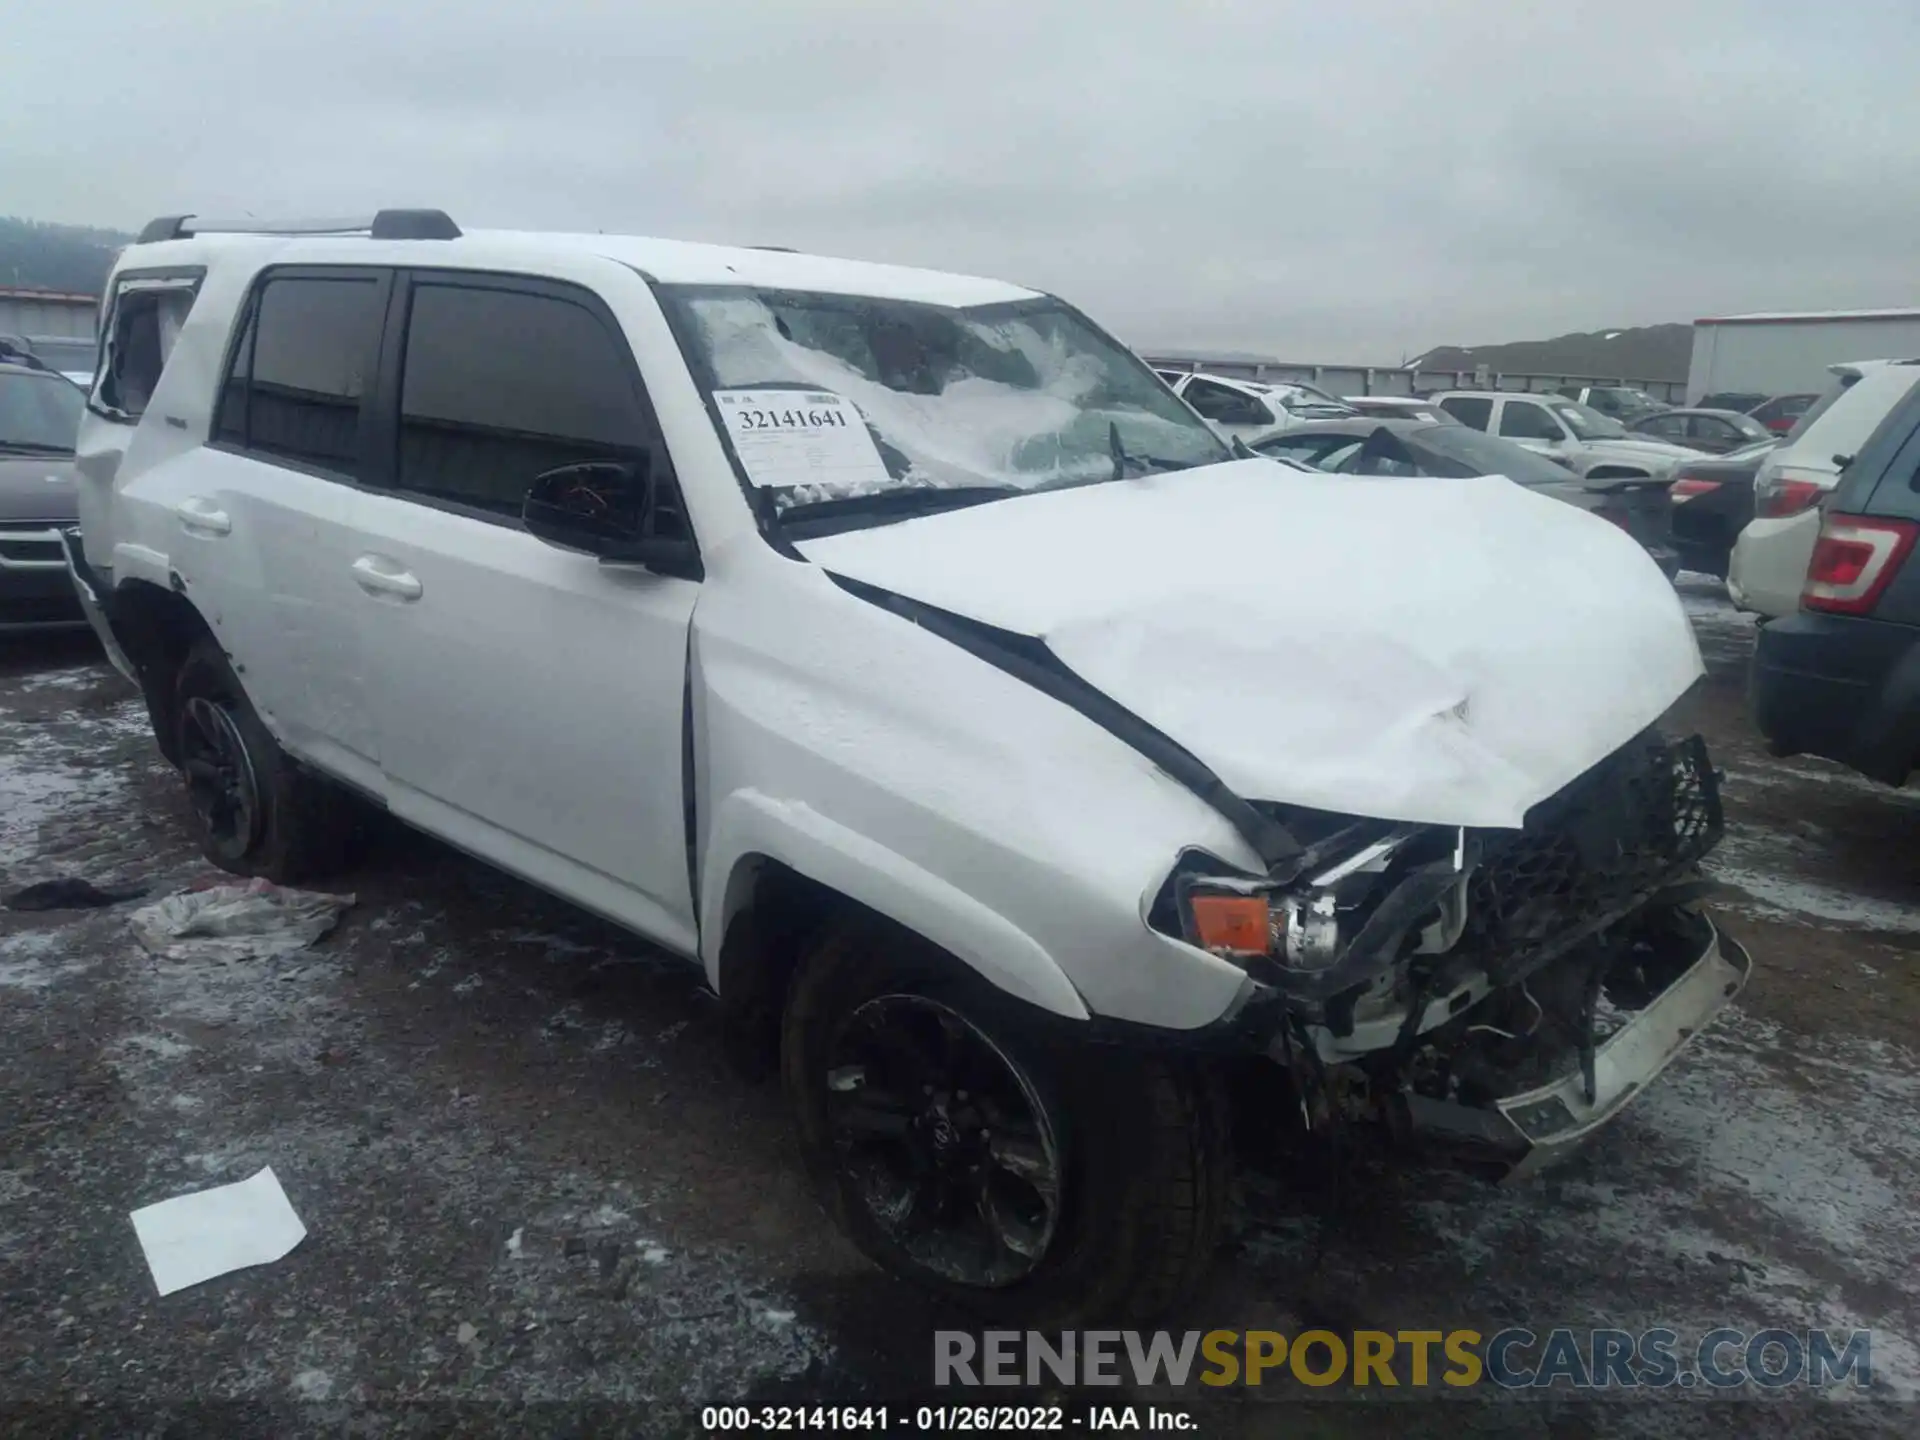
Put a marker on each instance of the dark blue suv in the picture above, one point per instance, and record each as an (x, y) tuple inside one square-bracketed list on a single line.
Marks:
[(1842, 677)]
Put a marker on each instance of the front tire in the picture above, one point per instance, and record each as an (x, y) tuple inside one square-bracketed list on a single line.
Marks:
[(1030, 1177), (254, 811)]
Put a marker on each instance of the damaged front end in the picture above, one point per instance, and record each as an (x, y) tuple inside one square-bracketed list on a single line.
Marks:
[(1498, 993)]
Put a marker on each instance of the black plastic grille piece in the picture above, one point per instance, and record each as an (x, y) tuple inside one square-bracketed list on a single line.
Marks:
[(1592, 854)]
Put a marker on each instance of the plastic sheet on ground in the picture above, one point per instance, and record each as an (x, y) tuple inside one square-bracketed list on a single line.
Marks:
[(253, 920)]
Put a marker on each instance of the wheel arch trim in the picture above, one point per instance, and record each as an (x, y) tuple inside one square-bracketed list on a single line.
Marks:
[(749, 826)]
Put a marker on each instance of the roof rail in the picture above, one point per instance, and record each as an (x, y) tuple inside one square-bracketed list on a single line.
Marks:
[(381, 225), (783, 249)]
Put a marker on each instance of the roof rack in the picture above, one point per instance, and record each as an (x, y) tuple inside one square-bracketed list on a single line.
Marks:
[(381, 225)]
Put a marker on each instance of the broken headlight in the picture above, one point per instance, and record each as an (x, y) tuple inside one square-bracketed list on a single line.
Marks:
[(1299, 923)]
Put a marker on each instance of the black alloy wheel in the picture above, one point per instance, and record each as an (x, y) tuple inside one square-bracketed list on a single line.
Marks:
[(221, 782), (944, 1139)]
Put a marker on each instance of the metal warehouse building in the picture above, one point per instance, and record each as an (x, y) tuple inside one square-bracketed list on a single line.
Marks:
[(44, 312), (1779, 354)]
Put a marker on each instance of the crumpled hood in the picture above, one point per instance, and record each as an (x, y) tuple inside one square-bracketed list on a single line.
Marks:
[(1446, 651), (37, 487)]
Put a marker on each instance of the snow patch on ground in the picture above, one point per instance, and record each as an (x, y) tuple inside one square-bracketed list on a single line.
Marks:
[(1790, 1141), (42, 782), (1759, 861), (1774, 895), (75, 677), (37, 959)]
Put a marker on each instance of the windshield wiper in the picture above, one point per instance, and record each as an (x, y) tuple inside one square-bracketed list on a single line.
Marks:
[(897, 504), (32, 447)]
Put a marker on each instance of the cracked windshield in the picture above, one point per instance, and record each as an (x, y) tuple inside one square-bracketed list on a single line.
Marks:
[(1007, 397)]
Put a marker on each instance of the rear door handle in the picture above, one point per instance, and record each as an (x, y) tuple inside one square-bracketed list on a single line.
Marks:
[(202, 515), (379, 576)]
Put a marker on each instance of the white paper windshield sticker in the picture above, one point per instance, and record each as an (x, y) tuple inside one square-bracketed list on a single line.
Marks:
[(801, 437)]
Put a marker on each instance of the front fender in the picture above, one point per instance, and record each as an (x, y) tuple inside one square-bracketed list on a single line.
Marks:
[(749, 824)]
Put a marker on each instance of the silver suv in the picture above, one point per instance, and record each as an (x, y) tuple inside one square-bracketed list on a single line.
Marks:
[(39, 416), (1591, 445)]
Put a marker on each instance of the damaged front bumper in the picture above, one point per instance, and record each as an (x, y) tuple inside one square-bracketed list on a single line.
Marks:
[(1534, 1128), (86, 587), (1497, 993)]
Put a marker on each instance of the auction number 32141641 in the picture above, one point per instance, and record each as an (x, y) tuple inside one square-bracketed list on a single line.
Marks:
[(937, 1419)]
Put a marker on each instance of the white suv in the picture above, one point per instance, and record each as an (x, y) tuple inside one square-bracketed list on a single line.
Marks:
[(1768, 567), (894, 647), (1249, 409), (1592, 445)]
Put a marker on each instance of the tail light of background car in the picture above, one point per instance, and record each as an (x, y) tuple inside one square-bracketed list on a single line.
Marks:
[(1778, 497), (1686, 486), (1854, 561)]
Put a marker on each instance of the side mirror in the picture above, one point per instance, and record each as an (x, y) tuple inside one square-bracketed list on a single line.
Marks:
[(607, 508)]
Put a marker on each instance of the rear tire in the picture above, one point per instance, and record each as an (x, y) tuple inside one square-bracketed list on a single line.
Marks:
[(1138, 1142), (255, 812)]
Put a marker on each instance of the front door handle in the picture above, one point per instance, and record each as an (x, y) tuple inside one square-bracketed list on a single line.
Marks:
[(379, 576), (198, 513)]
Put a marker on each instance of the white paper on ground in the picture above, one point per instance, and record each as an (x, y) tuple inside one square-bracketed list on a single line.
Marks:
[(800, 437), (196, 1237)]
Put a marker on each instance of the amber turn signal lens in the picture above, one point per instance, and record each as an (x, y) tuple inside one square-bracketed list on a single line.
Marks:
[(1232, 924)]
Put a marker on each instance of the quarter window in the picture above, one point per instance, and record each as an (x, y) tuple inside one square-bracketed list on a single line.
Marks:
[(500, 386), (143, 321)]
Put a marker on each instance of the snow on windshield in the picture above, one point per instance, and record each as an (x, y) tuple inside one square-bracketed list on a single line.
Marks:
[(953, 397)]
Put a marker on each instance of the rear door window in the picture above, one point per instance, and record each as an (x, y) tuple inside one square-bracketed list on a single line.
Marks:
[(1471, 410), (297, 378)]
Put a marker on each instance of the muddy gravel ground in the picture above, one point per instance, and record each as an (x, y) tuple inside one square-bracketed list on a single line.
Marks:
[(539, 1200)]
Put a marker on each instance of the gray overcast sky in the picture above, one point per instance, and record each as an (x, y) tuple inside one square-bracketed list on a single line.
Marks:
[(1330, 181)]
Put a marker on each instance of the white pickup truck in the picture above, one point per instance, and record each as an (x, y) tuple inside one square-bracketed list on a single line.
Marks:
[(895, 647)]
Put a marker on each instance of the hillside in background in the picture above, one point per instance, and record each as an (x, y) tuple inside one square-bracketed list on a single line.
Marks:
[(1649, 352), (70, 259)]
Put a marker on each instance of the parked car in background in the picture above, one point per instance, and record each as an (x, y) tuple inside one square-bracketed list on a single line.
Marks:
[(1399, 407), (1742, 400), (66, 355), (1448, 449), (1591, 445), (1782, 412), (1840, 677), (1244, 409), (40, 414), (1712, 503), (1769, 562), (1621, 402), (1714, 431)]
